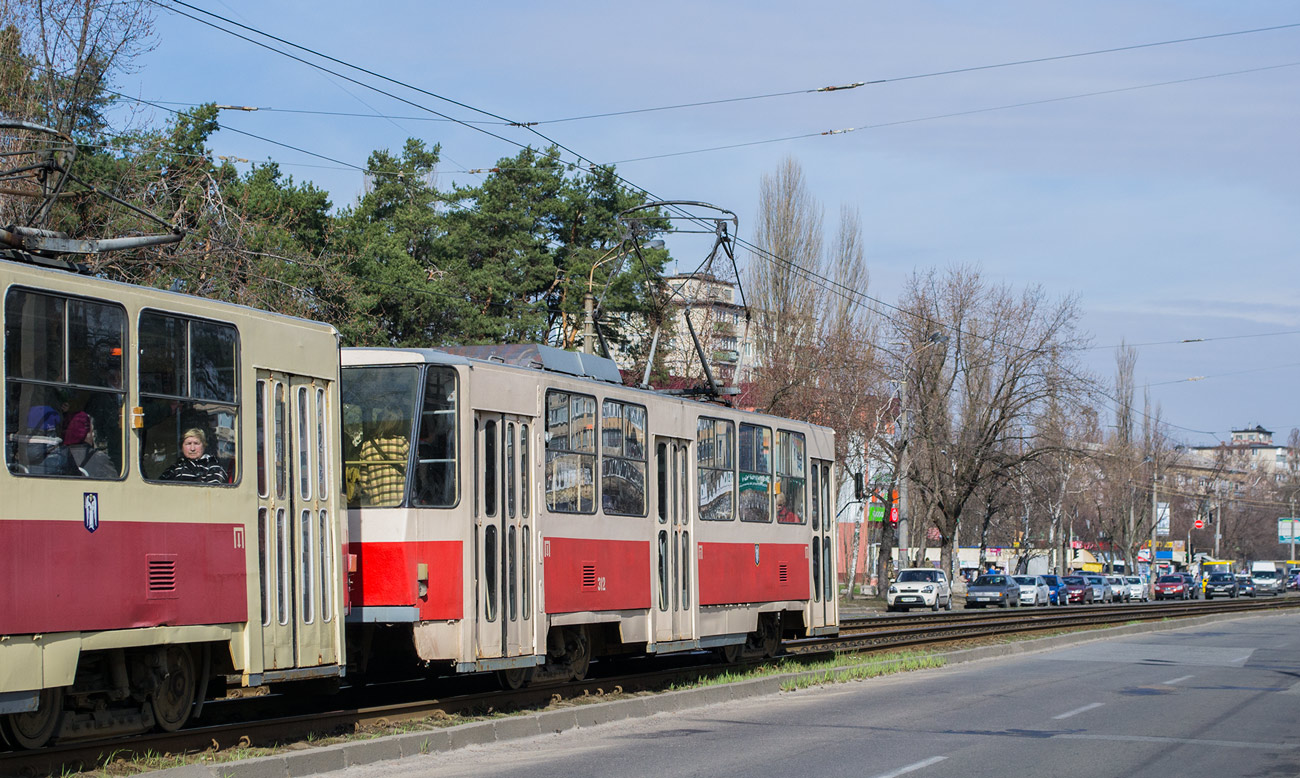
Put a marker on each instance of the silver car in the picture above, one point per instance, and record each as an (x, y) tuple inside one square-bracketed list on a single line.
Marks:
[(1137, 588), (1119, 588), (1033, 590), (1101, 591)]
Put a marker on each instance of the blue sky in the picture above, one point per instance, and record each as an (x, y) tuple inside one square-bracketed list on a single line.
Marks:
[(1170, 212)]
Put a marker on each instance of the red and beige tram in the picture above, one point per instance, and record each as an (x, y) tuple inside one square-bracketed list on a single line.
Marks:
[(524, 518), (171, 516)]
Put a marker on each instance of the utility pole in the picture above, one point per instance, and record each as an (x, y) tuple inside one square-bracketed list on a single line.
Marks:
[(1218, 520), (1155, 517), (1291, 517)]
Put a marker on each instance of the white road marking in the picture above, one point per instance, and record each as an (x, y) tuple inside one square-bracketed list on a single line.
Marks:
[(1178, 680), (1077, 711), (1181, 741), (913, 767), (1295, 689)]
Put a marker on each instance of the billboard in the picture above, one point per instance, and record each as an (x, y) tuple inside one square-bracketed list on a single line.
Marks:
[(1286, 530)]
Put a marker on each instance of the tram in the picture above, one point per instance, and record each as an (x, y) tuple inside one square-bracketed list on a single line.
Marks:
[(517, 509)]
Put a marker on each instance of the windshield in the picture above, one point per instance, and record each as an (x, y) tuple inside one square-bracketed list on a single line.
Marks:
[(1051, 580), (378, 414), (1221, 577), (1170, 579), (1027, 580), (927, 576), (1075, 580), (991, 580), (1265, 574)]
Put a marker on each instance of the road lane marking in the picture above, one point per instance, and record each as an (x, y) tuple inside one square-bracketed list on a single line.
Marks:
[(1181, 741), (1077, 711), (913, 767), (1178, 680)]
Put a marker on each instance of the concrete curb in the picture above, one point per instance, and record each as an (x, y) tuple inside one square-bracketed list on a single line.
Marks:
[(340, 756)]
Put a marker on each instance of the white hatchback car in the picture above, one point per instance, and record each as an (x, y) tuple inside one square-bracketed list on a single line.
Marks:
[(1137, 588), (919, 587), (1033, 590), (1119, 588)]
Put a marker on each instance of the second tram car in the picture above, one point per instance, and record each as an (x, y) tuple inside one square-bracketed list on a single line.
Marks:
[(524, 519)]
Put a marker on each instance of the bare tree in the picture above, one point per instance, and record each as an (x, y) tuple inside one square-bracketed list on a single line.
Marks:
[(1006, 356)]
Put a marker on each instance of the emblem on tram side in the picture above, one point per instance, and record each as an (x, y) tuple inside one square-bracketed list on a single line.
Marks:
[(90, 506)]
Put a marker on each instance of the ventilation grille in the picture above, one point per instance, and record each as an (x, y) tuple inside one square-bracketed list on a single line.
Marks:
[(783, 573), (589, 576), (161, 576)]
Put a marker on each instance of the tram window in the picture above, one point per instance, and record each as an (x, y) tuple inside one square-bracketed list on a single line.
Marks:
[(490, 468), (261, 438), (661, 481), (378, 408), (686, 569), (663, 570), (322, 447), (282, 574), (817, 569), (304, 445), (510, 470), (755, 473), (570, 452), (435, 463), (527, 574), (816, 499), (790, 477), (326, 567), (64, 389), (525, 467), (622, 458), (279, 444), (263, 548), (512, 568), (490, 571), (307, 552), (715, 457), (828, 577), (188, 370)]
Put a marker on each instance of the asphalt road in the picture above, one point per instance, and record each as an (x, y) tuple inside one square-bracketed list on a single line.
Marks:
[(1217, 700)]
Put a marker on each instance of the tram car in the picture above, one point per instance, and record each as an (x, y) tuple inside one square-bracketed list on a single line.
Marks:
[(172, 519), (517, 509)]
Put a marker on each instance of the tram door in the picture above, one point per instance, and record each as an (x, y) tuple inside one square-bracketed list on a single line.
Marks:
[(826, 587), (674, 562), (503, 535), (297, 551)]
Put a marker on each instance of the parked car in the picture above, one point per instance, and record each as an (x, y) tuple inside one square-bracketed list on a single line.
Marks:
[(1137, 588), (1101, 591), (1055, 589), (1268, 582), (1033, 590), (1172, 587), (1193, 586), (919, 587), (1075, 588), (1118, 588), (1220, 585), (996, 589), (1245, 585)]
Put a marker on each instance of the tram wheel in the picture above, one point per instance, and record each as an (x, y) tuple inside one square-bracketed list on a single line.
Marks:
[(577, 646), (730, 653), (514, 678), (174, 698), (35, 729)]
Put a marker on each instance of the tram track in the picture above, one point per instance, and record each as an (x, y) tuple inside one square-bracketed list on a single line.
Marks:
[(856, 635)]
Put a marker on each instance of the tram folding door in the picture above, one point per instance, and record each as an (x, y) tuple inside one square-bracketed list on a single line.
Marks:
[(674, 561), (297, 549), (825, 608), (503, 536)]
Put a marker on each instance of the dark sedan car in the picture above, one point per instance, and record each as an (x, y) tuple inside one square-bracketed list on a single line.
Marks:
[(1075, 588), (1220, 585), (1000, 590), (1245, 585)]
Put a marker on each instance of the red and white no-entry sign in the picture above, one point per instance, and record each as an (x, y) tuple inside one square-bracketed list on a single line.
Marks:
[(1199, 524)]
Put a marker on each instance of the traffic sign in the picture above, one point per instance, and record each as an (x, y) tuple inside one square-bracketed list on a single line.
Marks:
[(1199, 524)]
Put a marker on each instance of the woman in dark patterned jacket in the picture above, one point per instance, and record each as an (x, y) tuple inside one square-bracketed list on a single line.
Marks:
[(194, 465)]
